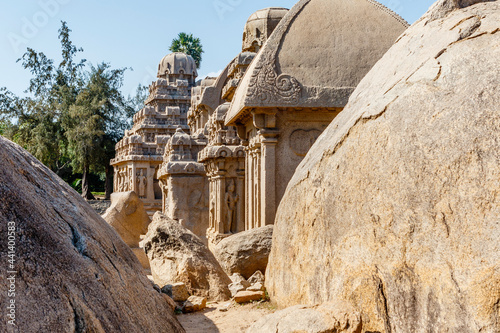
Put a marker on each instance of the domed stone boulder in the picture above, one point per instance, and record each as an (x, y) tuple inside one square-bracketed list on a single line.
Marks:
[(130, 220), (70, 271), (245, 252), (395, 209), (177, 255), (128, 217)]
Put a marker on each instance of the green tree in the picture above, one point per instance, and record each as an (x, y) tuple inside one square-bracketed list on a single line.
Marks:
[(134, 104), (188, 44), (37, 118), (73, 115), (93, 126)]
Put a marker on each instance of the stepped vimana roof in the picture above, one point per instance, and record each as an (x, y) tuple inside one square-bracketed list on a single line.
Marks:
[(317, 55), (165, 110), (177, 63), (259, 27)]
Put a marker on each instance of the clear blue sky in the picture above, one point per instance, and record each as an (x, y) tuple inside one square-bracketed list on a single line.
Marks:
[(135, 34)]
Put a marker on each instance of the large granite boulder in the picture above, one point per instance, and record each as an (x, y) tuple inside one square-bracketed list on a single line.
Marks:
[(130, 220), (128, 217), (74, 273), (395, 209), (324, 318), (245, 252), (177, 255)]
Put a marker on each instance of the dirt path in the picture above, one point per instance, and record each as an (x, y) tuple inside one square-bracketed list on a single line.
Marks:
[(235, 320)]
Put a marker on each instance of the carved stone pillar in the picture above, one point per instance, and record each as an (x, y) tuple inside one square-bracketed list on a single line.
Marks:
[(240, 215), (268, 177), (150, 193), (164, 190), (220, 206), (115, 180), (134, 180), (250, 190)]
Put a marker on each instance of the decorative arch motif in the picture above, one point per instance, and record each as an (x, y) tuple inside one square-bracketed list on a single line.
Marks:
[(267, 86)]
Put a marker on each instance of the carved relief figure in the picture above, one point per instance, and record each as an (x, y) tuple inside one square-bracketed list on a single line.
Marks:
[(212, 209), (141, 180), (123, 181), (130, 181), (231, 199), (120, 181)]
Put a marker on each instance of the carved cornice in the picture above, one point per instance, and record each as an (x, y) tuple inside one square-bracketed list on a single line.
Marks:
[(212, 152), (180, 168), (136, 158)]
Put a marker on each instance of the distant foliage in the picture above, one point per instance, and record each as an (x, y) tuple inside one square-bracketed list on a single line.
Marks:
[(135, 104), (73, 116), (188, 44)]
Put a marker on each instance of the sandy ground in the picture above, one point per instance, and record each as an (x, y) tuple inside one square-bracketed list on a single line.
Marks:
[(235, 320)]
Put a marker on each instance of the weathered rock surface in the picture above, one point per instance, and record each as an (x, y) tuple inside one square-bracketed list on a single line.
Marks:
[(258, 286), (75, 274), (245, 252), (310, 319), (236, 287), (170, 301), (128, 217), (178, 291), (237, 277), (248, 296), (177, 255), (194, 303), (395, 208), (256, 277)]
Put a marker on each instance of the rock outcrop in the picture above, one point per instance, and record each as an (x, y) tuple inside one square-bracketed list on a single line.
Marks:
[(130, 220), (194, 303), (310, 319), (395, 208), (245, 252), (128, 217), (74, 273), (248, 296), (177, 255)]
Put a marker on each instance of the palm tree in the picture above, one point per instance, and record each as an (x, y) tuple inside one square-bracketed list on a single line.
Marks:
[(188, 44)]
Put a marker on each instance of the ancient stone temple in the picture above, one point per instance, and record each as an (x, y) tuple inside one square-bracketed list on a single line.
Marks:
[(260, 25), (224, 164), (298, 82), (229, 145), (140, 153), (184, 182), (224, 156)]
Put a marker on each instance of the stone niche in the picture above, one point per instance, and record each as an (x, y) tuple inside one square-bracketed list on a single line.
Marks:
[(297, 84)]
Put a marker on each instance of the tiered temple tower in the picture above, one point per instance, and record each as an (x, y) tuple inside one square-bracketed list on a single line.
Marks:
[(140, 153)]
